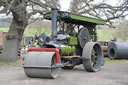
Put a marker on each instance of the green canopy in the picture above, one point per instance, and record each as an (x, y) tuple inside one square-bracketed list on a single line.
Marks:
[(75, 18)]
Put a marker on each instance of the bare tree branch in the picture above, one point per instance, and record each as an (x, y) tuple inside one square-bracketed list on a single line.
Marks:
[(101, 10), (22, 12)]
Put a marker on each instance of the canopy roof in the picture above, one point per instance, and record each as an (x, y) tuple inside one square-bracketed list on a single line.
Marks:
[(75, 18)]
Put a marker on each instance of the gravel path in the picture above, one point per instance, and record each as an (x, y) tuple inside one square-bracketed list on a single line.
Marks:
[(111, 74)]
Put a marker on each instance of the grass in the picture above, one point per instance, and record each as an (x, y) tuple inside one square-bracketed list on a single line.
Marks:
[(107, 61), (31, 32), (17, 63), (121, 61), (4, 29)]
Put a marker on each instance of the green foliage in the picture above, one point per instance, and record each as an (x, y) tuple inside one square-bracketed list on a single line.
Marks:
[(33, 31), (121, 32), (105, 34)]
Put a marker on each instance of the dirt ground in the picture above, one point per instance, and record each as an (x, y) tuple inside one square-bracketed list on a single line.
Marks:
[(111, 74)]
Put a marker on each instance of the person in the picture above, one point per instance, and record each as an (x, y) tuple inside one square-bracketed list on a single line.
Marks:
[(29, 43), (106, 43), (36, 44), (61, 26), (36, 37), (41, 43)]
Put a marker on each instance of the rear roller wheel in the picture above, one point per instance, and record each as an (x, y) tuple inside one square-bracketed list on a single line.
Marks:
[(92, 56), (41, 64)]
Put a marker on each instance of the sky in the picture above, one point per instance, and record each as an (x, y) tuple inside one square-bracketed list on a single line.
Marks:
[(65, 4)]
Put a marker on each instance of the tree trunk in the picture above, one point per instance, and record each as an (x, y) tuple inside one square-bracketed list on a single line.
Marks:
[(16, 30), (13, 38), (9, 52)]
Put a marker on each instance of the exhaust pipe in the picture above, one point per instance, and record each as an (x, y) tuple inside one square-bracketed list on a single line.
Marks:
[(54, 23)]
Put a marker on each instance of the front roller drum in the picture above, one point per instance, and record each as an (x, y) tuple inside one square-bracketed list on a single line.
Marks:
[(92, 57), (41, 65)]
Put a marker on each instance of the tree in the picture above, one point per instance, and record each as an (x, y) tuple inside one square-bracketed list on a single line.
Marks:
[(22, 11), (41, 26), (121, 32), (75, 6), (101, 10)]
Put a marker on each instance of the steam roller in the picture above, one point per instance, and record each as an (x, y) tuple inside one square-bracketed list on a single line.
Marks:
[(68, 46)]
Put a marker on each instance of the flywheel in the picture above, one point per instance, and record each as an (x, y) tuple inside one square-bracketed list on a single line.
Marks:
[(83, 37)]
